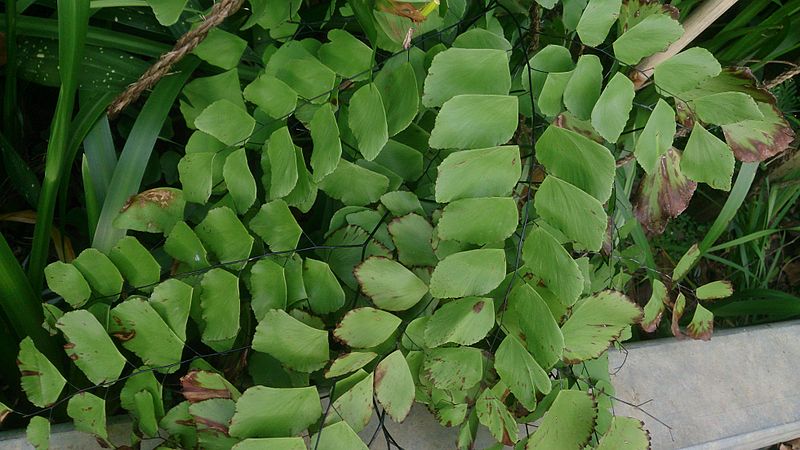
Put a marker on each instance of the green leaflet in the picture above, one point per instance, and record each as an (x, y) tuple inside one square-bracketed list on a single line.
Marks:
[(412, 236), (548, 260), (167, 12), (299, 408), (572, 211), (714, 290), (583, 88), (142, 331), (325, 294), (685, 71), (595, 323), (473, 272), (567, 424), (458, 71), (142, 396), (195, 171), (596, 21), (267, 286), (38, 432), (520, 372), (135, 262), (481, 38), (651, 35), (367, 120), (183, 244), (226, 237), (625, 432), (89, 346), (304, 193), (656, 138), (66, 280), (282, 163), (221, 49), (702, 324), (726, 108), (578, 160), (453, 368), (529, 318), (479, 220), (287, 443), (327, 146), (394, 386), (390, 285), (102, 275), (401, 203), (349, 362), (686, 262), (39, 378), (354, 185), (275, 224), (172, 301), (494, 415), (89, 413), (355, 406), (202, 92), (338, 436), (346, 55), (550, 98), (463, 321), (297, 67), (551, 59), (610, 113), (239, 180), (226, 121), (366, 327), (211, 418), (219, 305), (486, 172), (475, 121), (272, 95), (295, 344), (707, 159), (178, 422), (153, 211), (397, 87), (654, 308)]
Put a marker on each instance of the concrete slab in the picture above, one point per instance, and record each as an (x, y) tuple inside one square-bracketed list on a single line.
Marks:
[(740, 390)]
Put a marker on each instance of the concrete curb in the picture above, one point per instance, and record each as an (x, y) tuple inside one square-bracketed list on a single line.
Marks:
[(741, 390)]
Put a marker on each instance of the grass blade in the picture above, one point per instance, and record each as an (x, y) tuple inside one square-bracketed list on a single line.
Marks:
[(750, 237), (133, 160), (735, 199), (21, 176), (48, 28), (100, 158), (73, 20), (21, 305), (10, 98), (90, 195)]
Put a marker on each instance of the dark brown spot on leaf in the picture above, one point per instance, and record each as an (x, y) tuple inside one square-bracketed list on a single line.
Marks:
[(194, 391), (125, 335)]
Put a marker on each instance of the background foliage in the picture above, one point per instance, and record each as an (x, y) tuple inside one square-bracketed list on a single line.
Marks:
[(341, 209)]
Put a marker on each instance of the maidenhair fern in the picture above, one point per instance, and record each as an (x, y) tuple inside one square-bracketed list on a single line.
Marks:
[(364, 221)]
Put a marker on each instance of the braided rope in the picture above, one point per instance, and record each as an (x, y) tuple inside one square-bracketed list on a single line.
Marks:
[(791, 73), (185, 45)]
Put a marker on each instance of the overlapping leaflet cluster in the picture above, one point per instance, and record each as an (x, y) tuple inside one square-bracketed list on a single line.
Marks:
[(403, 283)]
